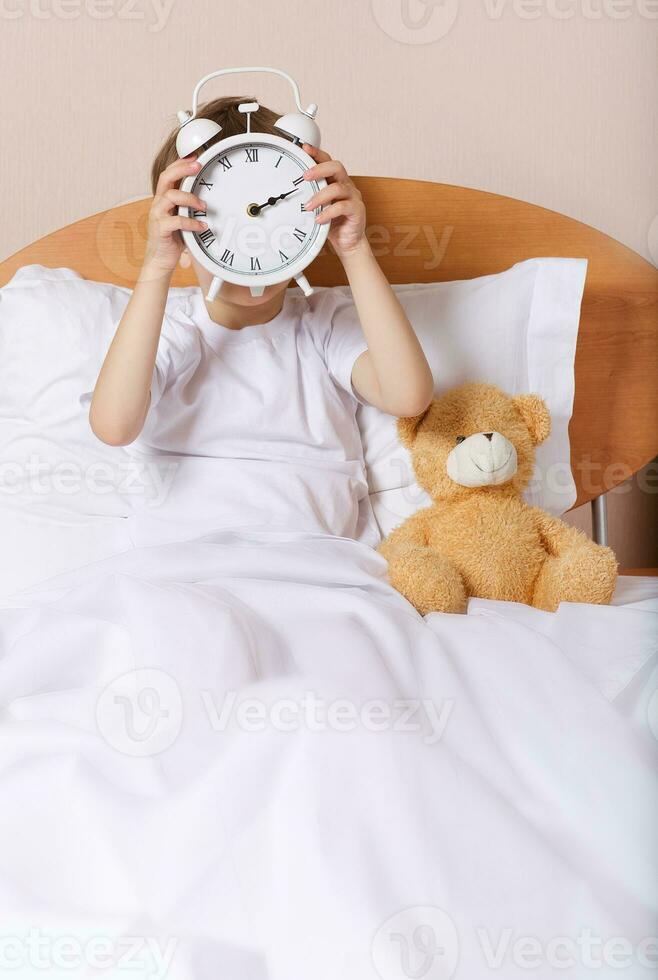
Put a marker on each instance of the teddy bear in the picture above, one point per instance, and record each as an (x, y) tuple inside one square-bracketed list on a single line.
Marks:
[(473, 451)]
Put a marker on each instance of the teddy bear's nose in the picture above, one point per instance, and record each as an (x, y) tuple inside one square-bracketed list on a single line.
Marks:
[(488, 435)]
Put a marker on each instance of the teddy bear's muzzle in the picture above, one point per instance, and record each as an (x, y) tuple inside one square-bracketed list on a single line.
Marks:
[(483, 459)]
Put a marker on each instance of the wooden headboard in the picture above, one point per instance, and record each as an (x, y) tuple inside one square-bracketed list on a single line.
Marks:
[(422, 232)]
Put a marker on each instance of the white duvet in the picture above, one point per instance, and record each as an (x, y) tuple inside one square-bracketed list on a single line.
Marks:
[(244, 757)]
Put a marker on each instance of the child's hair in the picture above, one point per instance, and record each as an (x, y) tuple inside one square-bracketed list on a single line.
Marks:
[(222, 111)]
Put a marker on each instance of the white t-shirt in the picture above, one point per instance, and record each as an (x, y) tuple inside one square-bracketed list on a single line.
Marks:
[(261, 420)]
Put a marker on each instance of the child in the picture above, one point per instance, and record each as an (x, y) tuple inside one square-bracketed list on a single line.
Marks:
[(270, 379)]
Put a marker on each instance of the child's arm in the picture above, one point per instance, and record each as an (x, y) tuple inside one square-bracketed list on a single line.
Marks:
[(393, 373), (122, 393)]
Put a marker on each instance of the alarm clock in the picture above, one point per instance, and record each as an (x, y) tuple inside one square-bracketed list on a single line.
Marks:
[(259, 230)]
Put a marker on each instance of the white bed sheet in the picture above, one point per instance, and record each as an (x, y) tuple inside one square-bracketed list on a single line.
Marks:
[(513, 823)]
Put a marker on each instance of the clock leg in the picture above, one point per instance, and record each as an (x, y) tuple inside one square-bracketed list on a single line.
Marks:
[(304, 285), (256, 291), (215, 287)]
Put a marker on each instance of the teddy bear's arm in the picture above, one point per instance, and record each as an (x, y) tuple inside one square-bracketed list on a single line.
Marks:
[(575, 569), (558, 537), (413, 531), (424, 576)]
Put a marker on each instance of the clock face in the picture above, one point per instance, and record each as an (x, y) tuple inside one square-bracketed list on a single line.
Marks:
[(259, 231)]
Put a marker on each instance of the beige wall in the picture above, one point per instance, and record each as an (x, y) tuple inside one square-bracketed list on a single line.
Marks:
[(552, 101)]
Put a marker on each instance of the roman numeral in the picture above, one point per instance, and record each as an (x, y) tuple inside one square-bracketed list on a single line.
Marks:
[(278, 161), (299, 234), (252, 155), (227, 257), (204, 183), (198, 214), (226, 164), (300, 180), (255, 264), (303, 208), (207, 237), (283, 256)]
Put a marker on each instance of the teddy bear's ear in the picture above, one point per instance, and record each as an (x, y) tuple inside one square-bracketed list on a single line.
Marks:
[(408, 429), (535, 415)]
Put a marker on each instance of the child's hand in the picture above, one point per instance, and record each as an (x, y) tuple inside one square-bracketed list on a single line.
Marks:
[(342, 202), (164, 246)]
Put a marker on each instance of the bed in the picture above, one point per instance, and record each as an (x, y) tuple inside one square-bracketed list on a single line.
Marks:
[(243, 755)]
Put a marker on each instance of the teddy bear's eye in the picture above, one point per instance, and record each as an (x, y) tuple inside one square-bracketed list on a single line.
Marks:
[(459, 439)]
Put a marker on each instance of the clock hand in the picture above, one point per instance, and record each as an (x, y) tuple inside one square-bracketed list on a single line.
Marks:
[(255, 209)]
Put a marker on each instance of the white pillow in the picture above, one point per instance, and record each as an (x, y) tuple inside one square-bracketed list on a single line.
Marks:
[(391, 507), (516, 329), (54, 330)]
